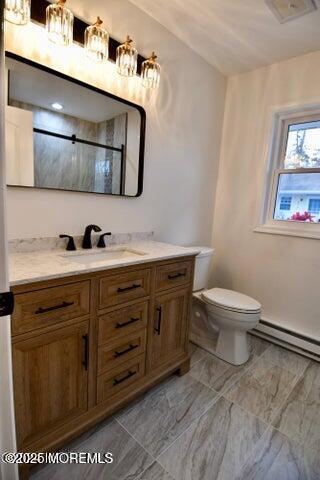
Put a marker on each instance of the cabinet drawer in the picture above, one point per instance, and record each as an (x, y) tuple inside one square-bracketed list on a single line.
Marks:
[(173, 275), (121, 288), (120, 351), (50, 306), (122, 322), (119, 378)]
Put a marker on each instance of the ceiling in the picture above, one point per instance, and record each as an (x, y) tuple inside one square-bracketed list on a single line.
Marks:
[(36, 87), (235, 35)]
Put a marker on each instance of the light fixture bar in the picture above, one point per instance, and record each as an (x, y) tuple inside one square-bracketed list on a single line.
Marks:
[(38, 15)]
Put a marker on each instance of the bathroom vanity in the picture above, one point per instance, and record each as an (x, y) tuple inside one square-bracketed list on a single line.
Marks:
[(88, 338), (92, 329)]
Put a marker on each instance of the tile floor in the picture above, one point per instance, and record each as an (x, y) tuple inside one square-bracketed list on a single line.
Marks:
[(259, 421)]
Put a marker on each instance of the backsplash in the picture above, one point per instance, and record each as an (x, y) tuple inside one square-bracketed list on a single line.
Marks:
[(27, 245)]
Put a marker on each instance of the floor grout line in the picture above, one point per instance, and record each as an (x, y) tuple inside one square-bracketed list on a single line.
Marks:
[(200, 359), (295, 383), (210, 404), (132, 404), (277, 410), (154, 459), (215, 400), (255, 448), (245, 371), (137, 441), (219, 397)]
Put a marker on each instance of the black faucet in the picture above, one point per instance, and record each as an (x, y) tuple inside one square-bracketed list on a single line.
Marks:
[(70, 245), (86, 242), (101, 242)]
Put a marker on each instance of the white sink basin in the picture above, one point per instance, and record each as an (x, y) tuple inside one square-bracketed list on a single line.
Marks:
[(86, 258)]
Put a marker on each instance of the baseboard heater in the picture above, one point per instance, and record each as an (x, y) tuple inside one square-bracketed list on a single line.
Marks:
[(289, 339)]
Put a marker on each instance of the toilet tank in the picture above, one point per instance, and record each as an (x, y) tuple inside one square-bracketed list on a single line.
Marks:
[(202, 268)]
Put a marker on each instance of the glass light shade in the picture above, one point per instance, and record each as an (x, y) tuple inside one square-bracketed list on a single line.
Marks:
[(17, 11), (96, 41), (126, 60), (150, 72), (59, 22)]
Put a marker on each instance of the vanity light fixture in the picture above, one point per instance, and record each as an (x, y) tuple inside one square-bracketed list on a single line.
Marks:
[(57, 106), (96, 41), (17, 11), (59, 22), (150, 72), (126, 59)]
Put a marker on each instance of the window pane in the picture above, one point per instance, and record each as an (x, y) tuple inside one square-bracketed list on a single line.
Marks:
[(314, 205), (285, 203), (298, 197), (303, 145)]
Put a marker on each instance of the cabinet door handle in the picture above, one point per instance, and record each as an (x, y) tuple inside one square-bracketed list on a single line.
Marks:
[(129, 375), (54, 307), (158, 327), (132, 320), (126, 289), (85, 361), (171, 276), (123, 352)]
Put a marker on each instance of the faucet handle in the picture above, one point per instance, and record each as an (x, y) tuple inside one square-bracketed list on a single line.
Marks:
[(101, 242), (70, 245)]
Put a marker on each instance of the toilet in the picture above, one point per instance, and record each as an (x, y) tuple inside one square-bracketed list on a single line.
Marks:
[(221, 318)]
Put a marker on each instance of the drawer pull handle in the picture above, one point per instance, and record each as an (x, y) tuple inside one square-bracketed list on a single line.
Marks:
[(126, 289), (129, 349), (158, 327), (176, 275), (55, 307), (132, 320), (129, 375), (85, 362)]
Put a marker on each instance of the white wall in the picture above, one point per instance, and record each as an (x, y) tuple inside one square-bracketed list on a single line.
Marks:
[(19, 146), (282, 272), (184, 121)]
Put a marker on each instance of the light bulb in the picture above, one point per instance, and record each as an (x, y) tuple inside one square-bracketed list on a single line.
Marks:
[(96, 40), (17, 11), (59, 23), (57, 106), (126, 60), (150, 72)]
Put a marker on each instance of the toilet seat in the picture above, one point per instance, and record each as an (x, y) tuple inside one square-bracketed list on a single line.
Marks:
[(230, 300)]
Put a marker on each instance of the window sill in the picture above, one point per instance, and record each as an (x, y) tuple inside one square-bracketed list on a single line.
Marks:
[(297, 230)]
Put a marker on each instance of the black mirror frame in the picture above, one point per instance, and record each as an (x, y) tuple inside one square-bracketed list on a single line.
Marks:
[(141, 110)]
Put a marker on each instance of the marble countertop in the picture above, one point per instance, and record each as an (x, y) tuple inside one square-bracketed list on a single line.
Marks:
[(45, 265)]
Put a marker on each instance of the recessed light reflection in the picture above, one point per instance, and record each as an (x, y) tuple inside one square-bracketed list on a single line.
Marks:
[(57, 106)]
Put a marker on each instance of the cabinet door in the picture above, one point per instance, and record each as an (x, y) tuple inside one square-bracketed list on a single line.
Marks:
[(167, 333), (50, 380)]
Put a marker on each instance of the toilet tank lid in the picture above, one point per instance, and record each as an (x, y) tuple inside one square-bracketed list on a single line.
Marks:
[(204, 251)]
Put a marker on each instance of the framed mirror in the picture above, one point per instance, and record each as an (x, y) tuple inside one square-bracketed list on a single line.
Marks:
[(63, 134)]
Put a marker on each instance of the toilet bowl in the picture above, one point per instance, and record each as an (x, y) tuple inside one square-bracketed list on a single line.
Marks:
[(221, 318), (234, 314)]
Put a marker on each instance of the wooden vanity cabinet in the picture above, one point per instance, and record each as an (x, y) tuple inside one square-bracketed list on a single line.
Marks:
[(51, 380), (85, 346), (167, 331)]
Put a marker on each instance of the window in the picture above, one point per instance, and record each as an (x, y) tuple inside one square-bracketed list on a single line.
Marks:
[(292, 203), (285, 203), (314, 205)]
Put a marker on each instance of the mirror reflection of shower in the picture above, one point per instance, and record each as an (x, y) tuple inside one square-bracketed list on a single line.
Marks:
[(65, 136)]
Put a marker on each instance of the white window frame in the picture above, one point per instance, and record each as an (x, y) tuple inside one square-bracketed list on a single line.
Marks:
[(281, 119)]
